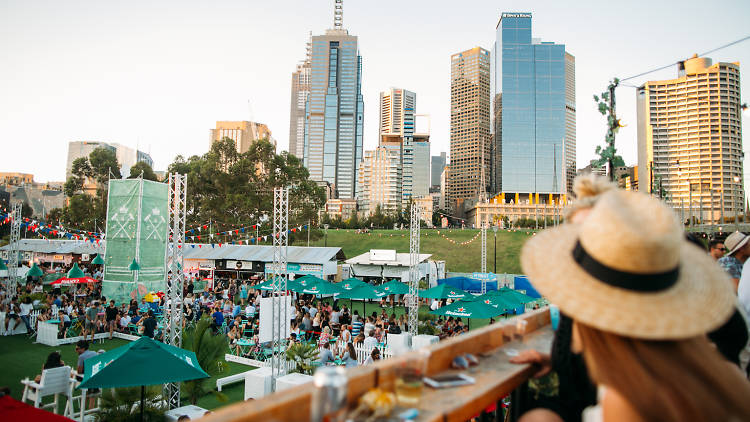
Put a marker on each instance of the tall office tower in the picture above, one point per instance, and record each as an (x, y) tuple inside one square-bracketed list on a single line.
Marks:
[(243, 134), (436, 169), (690, 139), (416, 167), (78, 149), (470, 127), (534, 111), (335, 109), (397, 112), (300, 92), (380, 180)]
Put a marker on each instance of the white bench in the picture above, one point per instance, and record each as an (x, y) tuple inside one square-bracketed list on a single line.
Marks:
[(230, 380)]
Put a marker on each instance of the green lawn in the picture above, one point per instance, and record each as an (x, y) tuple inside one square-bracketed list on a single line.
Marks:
[(23, 359), (458, 258)]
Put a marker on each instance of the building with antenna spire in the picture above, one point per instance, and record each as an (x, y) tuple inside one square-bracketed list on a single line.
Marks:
[(334, 109)]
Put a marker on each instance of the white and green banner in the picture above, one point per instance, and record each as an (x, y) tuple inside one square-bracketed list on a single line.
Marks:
[(137, 227)]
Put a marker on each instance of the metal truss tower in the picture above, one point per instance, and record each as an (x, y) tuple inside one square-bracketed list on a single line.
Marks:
[(15, 239), (279, 283), (175, 275), (414, 269)]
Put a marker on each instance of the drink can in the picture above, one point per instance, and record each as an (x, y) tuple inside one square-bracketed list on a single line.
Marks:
[(329, 397)]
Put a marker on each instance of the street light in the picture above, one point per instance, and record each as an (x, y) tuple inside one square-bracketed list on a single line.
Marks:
[(325, 226), (734, 204), (494, 229)]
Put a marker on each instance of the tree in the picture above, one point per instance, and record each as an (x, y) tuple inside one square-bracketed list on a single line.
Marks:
[(210, 350), (142, 167), (83, 210), (26, 210)]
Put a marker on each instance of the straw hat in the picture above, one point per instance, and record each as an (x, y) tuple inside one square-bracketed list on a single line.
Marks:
[(735, 242), (627, 269)]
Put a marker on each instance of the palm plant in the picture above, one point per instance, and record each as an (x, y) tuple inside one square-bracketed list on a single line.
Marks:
[(209, 348), (302, 355), (117, 405)]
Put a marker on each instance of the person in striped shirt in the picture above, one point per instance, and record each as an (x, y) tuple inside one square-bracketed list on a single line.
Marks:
[(357, 324)]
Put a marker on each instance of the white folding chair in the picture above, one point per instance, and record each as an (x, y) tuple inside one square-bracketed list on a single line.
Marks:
[(53, 382)]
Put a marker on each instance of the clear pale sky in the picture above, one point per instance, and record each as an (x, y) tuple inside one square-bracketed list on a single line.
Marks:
[(158, 75)]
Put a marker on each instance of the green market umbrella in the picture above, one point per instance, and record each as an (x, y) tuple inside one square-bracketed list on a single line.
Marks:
[(469, 309), (134, 266), (268, 285), (321, 288), (351, 282), (512, 294), (501, 302), (141, 363), (98, 260), (49, 278), (364, 292), (35, 271), (3, 267), (394, 287), (75, 272), (443, 291)]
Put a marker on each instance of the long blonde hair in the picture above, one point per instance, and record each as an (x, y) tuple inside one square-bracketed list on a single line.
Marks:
[(667, 380)]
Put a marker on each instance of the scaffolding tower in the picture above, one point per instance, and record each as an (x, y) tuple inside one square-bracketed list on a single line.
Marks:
[(15, 239), (414, 269), (175, 275), (279, 282)]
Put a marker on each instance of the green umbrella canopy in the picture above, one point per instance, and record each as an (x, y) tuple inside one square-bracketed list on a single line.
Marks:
[(268, 285), (498, 301), (394, 287), (512, 294), (362, 292), (98, 260), (142, 362), (49, 278), (35, 271), (134, 266), (443, 291), (321, 288), (3, 267), (469, 309), (351, 283), (309, 280), (75, 272)]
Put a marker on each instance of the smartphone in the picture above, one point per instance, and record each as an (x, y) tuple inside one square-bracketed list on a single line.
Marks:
[(446, 381)]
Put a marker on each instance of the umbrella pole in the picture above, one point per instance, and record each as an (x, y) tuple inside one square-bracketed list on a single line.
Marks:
[(143, 393)]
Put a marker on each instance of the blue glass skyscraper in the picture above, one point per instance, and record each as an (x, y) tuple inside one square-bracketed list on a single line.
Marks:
[(334, 112), (534, 111)]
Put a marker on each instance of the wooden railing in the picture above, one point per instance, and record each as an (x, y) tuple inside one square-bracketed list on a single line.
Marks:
[(495, 377)]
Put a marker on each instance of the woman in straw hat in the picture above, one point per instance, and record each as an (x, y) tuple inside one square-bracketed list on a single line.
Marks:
[(642, 300)]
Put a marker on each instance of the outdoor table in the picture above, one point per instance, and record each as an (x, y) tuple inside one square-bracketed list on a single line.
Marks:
[(244, 345), (47, 332)]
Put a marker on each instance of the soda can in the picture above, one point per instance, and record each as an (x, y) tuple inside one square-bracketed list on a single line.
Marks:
[(329, 397)]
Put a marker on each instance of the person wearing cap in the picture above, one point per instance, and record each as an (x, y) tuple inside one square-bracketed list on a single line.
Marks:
[(642, 300), (738, 252)]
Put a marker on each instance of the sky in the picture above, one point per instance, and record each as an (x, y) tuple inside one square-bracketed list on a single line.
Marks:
[(158, 75)]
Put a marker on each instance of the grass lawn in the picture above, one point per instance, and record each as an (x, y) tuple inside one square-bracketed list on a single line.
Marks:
[(21, 359), (457, 257)]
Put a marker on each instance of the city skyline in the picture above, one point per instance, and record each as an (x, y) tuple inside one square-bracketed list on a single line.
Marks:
[(112, 84)]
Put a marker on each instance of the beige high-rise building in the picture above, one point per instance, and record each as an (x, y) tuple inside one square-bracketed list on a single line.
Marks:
[(300, 93), (469, 175), (690, 139), (397, 112), (243, 133), (379, 181)]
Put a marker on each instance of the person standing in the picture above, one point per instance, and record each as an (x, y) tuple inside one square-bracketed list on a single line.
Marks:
[(149, 324), (91, 316), (111, 314), (716, 248), (739, 251)]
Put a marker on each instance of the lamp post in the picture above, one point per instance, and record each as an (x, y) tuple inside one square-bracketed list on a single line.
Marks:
[(325, 227), (734, 204), (494, 229)]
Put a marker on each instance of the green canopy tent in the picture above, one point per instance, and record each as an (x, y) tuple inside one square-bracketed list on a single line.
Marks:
[(469, 309), (75, 272), (443, 291), (141, 363), (364, 292), (98, 260), (35, 271)]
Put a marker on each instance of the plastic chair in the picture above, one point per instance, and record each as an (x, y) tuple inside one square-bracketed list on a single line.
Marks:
[(54, 381)]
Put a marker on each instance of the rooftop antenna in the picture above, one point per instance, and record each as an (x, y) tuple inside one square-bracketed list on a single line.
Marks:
[(338, 14)]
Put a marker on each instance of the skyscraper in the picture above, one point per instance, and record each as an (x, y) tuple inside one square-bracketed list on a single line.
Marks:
[(469, 172), (436, 169), (334, 111), (397, 112), (690, 139), (534, 149), (380, 180), (243, 133), (300, 92)]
